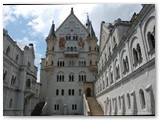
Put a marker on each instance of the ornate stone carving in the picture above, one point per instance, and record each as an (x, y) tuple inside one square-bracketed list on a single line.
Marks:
[(62, 42), (81, 43)]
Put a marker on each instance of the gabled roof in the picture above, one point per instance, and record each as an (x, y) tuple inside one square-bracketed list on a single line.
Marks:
[(72, 14)]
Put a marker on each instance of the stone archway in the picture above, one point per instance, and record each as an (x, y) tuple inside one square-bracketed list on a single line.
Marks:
[(88, 92)]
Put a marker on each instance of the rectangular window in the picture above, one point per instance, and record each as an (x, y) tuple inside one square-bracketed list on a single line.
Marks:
[(72, 91), (80, 92), (62, 92), (57, 92), (69, 92), (56, 107), (74, 107)]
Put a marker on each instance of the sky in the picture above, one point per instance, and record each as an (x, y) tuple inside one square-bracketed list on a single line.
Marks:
[(31, 23)]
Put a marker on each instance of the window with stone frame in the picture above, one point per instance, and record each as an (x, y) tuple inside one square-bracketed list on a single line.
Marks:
[(117, 72), (8, 50), (151, 40), (56, 107), (4, 75), (142, 99), (28, 83), (57, 92), (74, 107), (128, 101), (137, 55), (10, 103)]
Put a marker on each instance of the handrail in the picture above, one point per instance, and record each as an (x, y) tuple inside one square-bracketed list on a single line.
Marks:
[(86, 106), (43, 109)]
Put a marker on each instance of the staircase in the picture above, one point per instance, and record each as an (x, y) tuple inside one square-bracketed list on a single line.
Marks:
[(95, 108), (38, 109)]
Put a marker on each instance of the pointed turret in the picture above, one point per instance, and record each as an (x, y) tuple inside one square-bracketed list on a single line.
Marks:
[(93, 47), (50, 40), (52, 31), (90, 28)]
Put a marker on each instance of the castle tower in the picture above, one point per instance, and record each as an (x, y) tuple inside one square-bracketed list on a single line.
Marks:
[(93, 47), (50, 55)]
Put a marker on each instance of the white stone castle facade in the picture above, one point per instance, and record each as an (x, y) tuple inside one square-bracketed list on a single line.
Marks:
[(20, 87), (126, 83), (70, 66), (78, 77)]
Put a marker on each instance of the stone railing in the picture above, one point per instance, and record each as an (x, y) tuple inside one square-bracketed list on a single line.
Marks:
[(86, 108)]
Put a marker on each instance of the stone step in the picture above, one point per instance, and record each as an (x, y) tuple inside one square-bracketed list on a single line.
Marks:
[(94, 106)]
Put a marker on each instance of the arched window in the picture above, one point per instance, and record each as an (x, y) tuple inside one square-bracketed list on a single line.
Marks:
[(135, 55), (67, 48), (75, 49), (129, 101), (52, 48), (57, 92), (4, 75), (90, 62), (84, 77), (10, 103), (58, 63), (62, 92), (106, 81), (109, 49), (17, 57), (79, 77), (74, 38), (52, 63), (90, 48), (69, 92), (66, 37), (127, 64), (114, 42), (63, 63), (124, 66), (28, 84), (84, 63), (111, 75), (63, 78), (95, 49), (117, 72), (57, 77), (103, 84), (139, 52), (71, 48), (119, 102), (8, 50), (72, 78), (142, 99), (72, 91), (151, 40)]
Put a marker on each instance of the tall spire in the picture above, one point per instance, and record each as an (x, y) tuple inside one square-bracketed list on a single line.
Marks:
[(52, 32)]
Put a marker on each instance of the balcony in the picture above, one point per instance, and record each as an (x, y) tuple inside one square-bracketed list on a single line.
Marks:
[(49, 68), (92, 52), (71, 54), (93, 68)]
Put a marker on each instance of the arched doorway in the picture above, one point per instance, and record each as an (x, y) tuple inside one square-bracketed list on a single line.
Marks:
[(88, 92)]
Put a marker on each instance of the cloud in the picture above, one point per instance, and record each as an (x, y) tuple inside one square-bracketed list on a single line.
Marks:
[(26, 41), (8, 16)]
